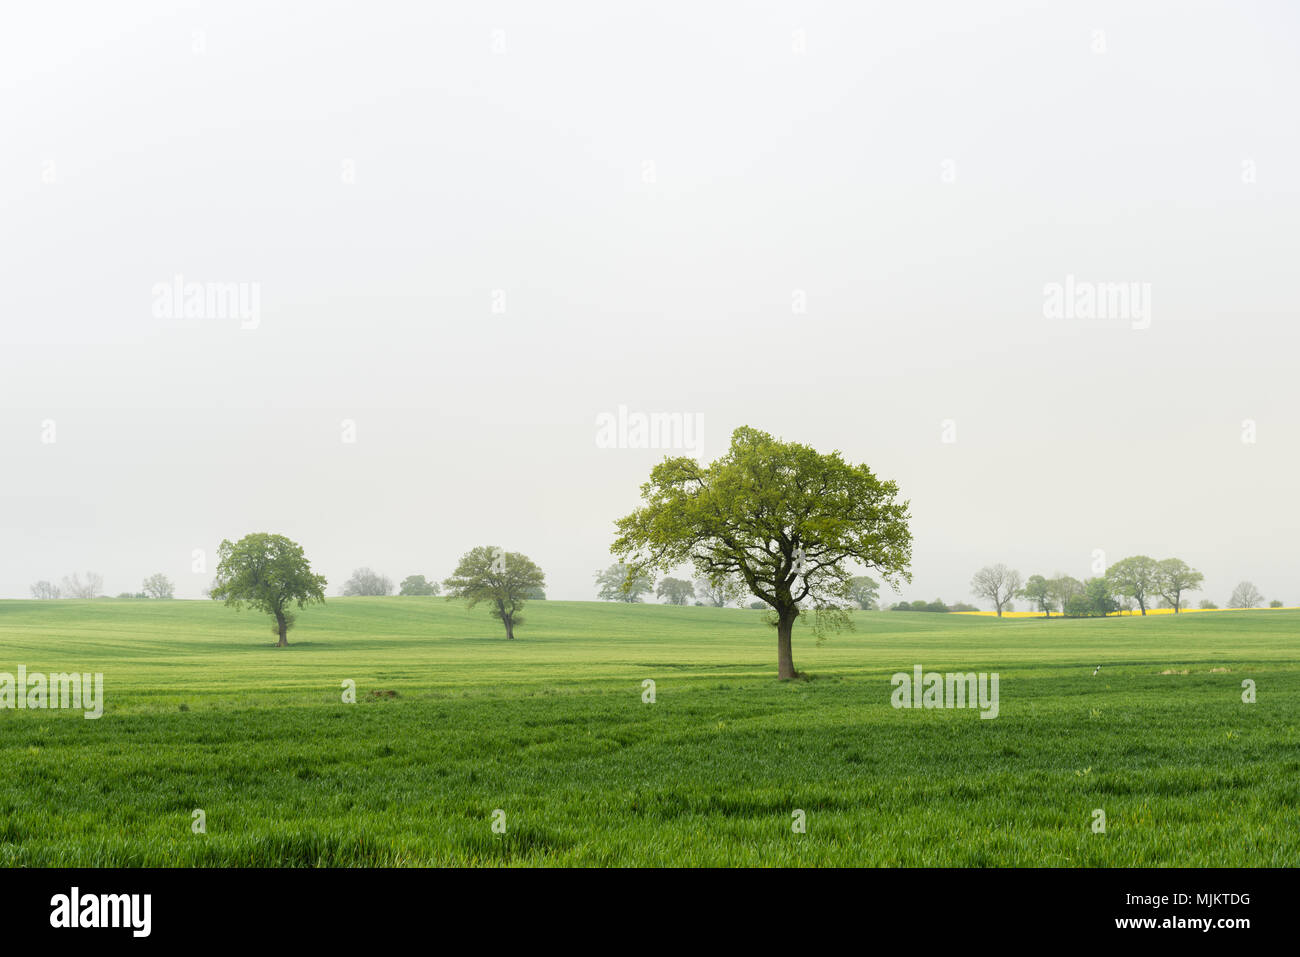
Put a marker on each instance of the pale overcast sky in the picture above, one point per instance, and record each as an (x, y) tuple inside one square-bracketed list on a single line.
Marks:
[(472, 229)]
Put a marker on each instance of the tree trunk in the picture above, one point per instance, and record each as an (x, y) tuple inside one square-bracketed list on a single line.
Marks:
[(282, 626), (784, 657), (510, 629)]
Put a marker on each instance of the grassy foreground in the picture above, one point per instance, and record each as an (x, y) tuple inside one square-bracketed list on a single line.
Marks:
[(203, 713)]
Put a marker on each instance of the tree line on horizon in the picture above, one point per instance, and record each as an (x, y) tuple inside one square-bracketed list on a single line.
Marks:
[(157, 586), (1133, 583), (774, 520), (1129, 585)]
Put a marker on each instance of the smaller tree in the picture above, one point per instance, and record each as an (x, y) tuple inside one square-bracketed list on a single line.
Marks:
[(268, 573), (719, 592), (45, 590), (675, 591), (1064, 587), (1077, 607), (1100, 596), (864, 592), (1136, 577), (1174, 577), (92, 587), (418, 585), (1095, 601), (998, 584), (620, 582), (1208, 605), (366, 582), (159, 586), (1245, 595), (1039, 592), (1275, 604), (503, 579)]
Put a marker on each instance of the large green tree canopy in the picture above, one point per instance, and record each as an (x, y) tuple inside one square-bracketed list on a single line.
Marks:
[(788, 521), (505, 580), (268, 573)]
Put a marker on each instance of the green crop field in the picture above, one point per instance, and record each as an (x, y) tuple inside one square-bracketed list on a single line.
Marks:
[(453, 723)]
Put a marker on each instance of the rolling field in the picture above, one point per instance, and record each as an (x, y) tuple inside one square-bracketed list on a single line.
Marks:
[(201, 712)]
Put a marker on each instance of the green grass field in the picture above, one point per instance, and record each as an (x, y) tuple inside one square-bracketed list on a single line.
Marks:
[(201, 712)]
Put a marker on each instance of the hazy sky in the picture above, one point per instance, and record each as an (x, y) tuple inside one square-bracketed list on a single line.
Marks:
[(472, 229)]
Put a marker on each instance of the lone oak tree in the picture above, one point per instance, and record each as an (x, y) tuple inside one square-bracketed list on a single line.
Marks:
[(268, 573), (998, 583), (779, 516), (503, 579)]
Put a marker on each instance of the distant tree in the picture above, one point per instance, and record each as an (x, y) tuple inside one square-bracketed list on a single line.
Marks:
[(719, 592), (1245, 595), (623, 583), (1039, 592), (502, 579), (998, 584), (675, 590), (1062, 588), (961, 606), (418, 585), (159, 586), (789, 521), (864, 592), (1207, 604), (1095, 601), (267, 573), (1077, 607), (1275, 604), (45, 590), (93, 587), (127, 594), (758, 605), (537, 594), (366, 582), (1137, 577), (936, 606), (1100, 596), (1174, 577)]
